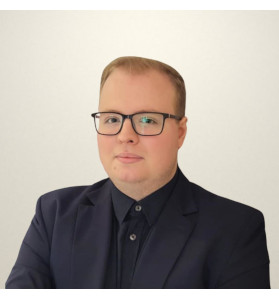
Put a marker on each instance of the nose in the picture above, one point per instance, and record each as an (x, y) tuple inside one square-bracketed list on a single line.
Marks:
[(127, 133)]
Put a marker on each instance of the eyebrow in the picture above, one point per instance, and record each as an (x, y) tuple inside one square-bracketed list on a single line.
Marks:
[(137, 112)]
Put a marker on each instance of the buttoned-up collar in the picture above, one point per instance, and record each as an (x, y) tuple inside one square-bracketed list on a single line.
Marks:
[(151, 206)]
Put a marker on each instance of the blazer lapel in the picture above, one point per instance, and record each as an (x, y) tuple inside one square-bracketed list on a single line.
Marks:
[(167, 238), (92, 239)]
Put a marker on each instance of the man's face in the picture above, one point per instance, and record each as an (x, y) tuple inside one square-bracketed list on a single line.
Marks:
[(127, 157)]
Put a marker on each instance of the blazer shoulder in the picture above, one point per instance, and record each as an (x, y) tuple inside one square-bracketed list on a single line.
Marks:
[(66, 199), (72, 192), (216, 204)]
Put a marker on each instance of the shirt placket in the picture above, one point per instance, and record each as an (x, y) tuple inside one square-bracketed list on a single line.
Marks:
[(131, 245)]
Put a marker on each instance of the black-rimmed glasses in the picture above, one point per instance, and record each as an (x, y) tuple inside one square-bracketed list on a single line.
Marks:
[(144, 123)]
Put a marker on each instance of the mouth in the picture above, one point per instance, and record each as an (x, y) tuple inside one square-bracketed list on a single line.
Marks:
[(128, 158)]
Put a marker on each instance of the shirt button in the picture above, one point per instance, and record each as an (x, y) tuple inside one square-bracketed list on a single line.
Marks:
[(137, 208), (133, 237)]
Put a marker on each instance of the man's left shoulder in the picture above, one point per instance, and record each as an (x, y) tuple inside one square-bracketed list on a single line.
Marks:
[(215, 205)]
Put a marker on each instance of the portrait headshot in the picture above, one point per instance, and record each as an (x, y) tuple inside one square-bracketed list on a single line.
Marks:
[(139, 149)]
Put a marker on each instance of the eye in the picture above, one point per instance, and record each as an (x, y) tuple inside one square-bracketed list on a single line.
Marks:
[(112, 119), (147, 120)]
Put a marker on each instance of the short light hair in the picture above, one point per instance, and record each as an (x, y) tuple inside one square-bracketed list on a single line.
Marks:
[(140, 65)]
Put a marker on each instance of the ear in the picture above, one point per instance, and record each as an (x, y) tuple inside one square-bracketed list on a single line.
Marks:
[(182, 130)]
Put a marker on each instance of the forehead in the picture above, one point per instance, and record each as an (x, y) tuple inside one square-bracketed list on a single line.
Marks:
[(151, 90)]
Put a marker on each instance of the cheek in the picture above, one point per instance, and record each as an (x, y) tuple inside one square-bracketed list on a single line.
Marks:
[(104, 146), (163, 150)]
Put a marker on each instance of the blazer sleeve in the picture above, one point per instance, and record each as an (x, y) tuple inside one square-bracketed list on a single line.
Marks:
[(31, 269), (248, 264)]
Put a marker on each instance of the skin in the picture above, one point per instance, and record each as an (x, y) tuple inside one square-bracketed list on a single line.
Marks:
[(140, 165)]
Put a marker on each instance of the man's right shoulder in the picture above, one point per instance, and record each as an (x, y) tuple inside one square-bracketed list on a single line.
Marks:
[(68, 197)]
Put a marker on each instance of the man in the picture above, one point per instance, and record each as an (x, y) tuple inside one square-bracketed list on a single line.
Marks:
[(146, 226)]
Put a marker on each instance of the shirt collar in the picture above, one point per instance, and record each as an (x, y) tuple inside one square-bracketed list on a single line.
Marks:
[(151, 205), (121, 203)]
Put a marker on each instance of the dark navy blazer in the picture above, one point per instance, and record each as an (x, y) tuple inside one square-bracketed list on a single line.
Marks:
[(199, 241)]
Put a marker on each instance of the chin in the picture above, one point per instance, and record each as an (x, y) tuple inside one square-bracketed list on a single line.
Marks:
[(128, 177)]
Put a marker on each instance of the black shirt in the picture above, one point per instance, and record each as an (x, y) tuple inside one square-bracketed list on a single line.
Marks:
[(132, 223)]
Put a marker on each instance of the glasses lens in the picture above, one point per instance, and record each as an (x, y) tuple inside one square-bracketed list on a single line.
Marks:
[(148, 123), (108, 123)]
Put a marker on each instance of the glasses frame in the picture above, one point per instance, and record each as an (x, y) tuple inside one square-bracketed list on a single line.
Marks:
[(124, 117)]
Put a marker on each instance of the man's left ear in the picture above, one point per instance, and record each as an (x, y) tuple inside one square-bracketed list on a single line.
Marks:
[(182, 130)]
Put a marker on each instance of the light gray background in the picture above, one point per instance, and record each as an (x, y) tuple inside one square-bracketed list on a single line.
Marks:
[(50, 68)]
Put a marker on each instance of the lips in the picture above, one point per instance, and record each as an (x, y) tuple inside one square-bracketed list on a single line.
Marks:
[(128, 157)]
